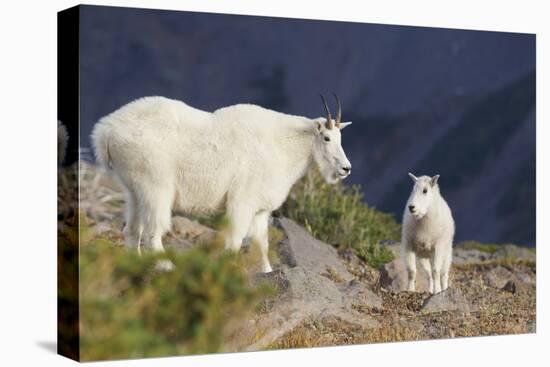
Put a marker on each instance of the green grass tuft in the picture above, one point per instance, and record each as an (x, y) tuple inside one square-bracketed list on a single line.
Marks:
[(483, 247)]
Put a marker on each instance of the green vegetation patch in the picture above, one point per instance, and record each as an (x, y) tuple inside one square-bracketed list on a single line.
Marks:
[(337, 214), (488, 248), (130, 309)]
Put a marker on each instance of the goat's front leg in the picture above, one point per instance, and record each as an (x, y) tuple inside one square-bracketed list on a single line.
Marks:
[(239, 223), (259, 233), (437, 266), (446, 267), (410, 262), (425, 262)]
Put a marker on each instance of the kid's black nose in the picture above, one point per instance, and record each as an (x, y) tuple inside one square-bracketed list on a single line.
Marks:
[(411, 208)]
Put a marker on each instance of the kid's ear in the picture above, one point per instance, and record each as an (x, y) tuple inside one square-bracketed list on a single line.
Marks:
[(413, 177), (434, 180), (344, 124)]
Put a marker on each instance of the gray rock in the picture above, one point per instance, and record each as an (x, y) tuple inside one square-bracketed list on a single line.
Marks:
[(356, 294), (299, 248), (469, 256), (525, 278), (393, 276), (515, 286), (353, 262), (497, 277), (312, 282), (307, 285), (305, 295), (514, 252), (510, 286), (301, 284), (450, 299), (192, 230)]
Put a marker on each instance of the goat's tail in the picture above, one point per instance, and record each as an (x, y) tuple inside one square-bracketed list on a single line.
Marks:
[(100, 141)]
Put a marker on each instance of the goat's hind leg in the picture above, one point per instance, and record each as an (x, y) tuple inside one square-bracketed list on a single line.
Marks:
[(133, 228), (157, 209)]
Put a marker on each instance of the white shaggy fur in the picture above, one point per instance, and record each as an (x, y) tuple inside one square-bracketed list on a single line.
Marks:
[(428, 231), (242, 158)]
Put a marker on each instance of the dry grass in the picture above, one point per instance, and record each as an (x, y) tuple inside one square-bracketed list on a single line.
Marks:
[(245, 335), (305, 335), (332, 331), (390, 333), (507, 263)]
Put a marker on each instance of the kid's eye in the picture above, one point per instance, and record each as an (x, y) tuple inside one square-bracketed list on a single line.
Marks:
[(425, 191), (327, 138)]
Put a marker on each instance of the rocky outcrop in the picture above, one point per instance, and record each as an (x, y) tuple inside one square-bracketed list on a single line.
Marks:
[(312, 283), (299, 248)]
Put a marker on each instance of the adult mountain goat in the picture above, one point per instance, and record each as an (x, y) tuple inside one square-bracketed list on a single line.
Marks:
[(428, 231), (241, 158)]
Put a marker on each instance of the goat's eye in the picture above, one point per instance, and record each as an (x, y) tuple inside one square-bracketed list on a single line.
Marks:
[(425, 191), (327, 138)]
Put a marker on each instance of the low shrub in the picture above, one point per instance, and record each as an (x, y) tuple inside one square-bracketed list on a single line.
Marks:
[(129, 309), (337, 214)]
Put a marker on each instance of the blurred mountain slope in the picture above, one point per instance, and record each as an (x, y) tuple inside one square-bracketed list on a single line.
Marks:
[(413, 93)]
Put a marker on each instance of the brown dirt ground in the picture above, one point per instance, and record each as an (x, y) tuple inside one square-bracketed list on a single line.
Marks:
[(496, 312)]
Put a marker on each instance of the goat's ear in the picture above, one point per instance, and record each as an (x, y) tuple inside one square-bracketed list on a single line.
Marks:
[(320, 124), (413, 177), (344, 124), (434, 179)]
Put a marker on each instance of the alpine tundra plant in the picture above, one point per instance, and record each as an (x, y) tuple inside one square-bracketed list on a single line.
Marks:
[(337, 214)]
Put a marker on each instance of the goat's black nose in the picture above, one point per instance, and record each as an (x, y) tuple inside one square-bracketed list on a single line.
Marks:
[(347, 169), (411, 208)]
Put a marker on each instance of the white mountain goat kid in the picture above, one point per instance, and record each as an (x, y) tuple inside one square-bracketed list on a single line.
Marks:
[(241, 158), (428, 231)]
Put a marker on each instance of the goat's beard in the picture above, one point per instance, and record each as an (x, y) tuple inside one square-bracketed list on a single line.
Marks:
[(332, 178), (418, 215), (328, 173)]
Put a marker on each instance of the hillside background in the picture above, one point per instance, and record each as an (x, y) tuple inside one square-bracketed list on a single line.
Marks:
[(459, 103)]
